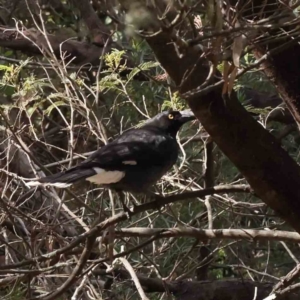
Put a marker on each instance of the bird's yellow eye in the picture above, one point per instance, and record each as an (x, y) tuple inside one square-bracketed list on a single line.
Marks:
[(170, 116)]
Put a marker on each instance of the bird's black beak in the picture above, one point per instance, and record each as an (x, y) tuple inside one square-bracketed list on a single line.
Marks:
[(187, 115)]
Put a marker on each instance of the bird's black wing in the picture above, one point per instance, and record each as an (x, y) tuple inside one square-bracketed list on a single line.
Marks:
[(138, 146)]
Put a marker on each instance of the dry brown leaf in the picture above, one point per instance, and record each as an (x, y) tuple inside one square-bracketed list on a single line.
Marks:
[(239, 44), (227, 70), (232, 79)]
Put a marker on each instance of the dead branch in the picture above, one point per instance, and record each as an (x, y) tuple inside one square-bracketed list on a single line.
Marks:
[(34, 43)]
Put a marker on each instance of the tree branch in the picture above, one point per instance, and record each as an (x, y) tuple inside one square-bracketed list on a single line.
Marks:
[(215, 234), (153, 205), (34, 43)]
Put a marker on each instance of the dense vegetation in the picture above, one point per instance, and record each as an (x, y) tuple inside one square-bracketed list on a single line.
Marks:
[(225, 222)]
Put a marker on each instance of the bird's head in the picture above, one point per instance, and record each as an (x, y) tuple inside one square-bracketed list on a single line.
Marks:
[(171, 120)]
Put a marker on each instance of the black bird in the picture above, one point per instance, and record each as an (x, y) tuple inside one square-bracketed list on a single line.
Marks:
[(132, 162)]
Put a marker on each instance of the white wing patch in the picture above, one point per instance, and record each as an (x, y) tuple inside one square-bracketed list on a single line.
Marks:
[(129, 162), (106, 177)]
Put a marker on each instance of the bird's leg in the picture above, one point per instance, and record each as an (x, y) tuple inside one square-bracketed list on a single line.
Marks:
[(125, 207)]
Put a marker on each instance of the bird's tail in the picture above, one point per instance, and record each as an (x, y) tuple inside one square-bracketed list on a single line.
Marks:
[(64, 179)]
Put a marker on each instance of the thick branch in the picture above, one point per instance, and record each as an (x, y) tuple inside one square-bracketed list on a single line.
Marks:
[(35, 43)]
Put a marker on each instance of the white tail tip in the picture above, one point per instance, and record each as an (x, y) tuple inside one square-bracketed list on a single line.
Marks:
[(34, 183), (60, 185)]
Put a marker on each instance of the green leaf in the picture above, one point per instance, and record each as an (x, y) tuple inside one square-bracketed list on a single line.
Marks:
[(8, 90), (142, 67), (6, 68), (113, 59)]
